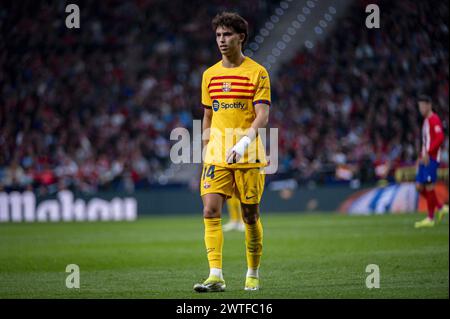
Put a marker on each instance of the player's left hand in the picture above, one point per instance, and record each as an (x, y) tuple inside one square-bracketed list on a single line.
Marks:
[(237, 151), (232, 156)]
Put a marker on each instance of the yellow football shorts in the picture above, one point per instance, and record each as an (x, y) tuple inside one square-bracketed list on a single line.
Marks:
[(246, 183)]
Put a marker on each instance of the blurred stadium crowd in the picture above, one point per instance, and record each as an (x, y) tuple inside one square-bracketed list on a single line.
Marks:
[(92, 109), (349, 103)]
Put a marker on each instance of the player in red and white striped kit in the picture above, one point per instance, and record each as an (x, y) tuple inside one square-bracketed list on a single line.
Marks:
[(428, 163)]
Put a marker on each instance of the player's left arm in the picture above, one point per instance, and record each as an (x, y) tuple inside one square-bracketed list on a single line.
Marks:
[(436, 136), (260, 121), (261, 102), (436, 139)]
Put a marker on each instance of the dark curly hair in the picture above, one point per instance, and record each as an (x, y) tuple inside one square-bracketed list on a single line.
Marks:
[(233, 21)]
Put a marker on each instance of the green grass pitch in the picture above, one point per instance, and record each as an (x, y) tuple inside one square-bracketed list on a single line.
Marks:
[(305, 256)]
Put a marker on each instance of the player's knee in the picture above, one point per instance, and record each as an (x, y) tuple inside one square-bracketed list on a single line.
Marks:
[(250, 219), (211, 212), (250, 214)]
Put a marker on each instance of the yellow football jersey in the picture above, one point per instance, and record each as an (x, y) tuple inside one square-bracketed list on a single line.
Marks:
[(232, 93)]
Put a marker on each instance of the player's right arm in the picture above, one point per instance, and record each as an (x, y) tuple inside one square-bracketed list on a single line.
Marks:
[(206, 125), (208, 112)]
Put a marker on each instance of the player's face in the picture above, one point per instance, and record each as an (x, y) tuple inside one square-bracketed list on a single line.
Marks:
[(227, 40), (424, 108)]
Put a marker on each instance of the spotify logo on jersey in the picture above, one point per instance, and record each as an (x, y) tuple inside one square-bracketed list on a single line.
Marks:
[(215, 105), (225, 106)]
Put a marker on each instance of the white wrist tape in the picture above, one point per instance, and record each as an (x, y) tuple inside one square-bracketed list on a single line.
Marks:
[(242, 145)]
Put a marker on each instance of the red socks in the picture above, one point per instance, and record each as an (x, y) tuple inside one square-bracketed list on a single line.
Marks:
[(432, 202)]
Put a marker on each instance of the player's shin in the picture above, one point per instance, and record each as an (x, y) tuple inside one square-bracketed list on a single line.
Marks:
[(214, 244), (437, 204), (253, 243), (431, 203)]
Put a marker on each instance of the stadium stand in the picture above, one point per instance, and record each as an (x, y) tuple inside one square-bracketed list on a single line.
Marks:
[(93, 109)]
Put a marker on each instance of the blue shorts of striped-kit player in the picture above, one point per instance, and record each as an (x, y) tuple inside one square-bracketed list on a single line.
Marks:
[(427, 174)]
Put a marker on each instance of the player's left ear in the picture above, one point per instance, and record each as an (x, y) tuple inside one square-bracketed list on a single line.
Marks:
[(242, 38)]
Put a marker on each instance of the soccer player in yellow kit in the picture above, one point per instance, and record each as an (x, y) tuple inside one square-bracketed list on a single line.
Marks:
[(236, 98)]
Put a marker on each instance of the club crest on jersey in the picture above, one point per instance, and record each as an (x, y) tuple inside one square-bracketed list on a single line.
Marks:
[(206, 185), (226, 86)]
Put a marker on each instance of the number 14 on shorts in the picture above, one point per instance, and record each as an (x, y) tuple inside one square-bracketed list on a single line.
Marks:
[(208, 171)]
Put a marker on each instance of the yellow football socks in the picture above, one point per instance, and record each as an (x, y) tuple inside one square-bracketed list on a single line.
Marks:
[(214, 241), (253, 243)]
